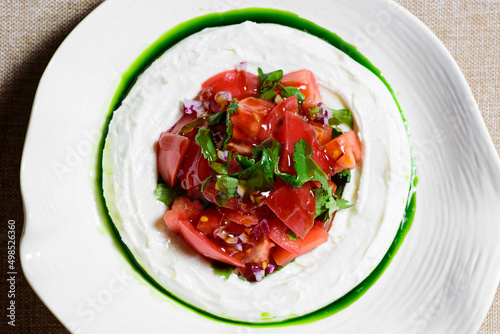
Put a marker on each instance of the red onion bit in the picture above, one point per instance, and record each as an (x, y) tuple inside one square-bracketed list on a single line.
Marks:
[(192, 106), (258, 272)]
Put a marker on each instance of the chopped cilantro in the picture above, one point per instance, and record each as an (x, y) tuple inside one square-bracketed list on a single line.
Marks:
[(244, 162), (227, 185), (326, 204), (340, 116), (204, 138), (267, 83), (341, 179), (217, 118), (287, 92), (307, 169), (165, 194)]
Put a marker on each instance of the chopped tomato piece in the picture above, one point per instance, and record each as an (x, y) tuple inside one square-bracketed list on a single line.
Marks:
[(260, 252), (205, 246), (314, 238), (304, 80), (195, 168), (248, 118), (275, 117), (294, 206), (240, 84), (355, 147), (339, 150), (170, 155), (280, 234), (209, 220), (242, 218), (292, 129), (182, 209), (324, 132)]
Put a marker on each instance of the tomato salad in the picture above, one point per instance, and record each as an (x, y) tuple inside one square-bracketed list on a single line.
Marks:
[(254, 171)]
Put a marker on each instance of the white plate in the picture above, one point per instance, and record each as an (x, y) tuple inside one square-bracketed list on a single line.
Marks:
[(443, 278)]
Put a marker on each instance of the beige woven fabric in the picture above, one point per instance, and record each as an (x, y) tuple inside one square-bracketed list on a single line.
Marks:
[(30, 32)]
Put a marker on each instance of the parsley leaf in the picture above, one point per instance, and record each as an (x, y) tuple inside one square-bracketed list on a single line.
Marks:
[(227, 185), (244, 162), (267, 82), (167, 195), (217, 118), (307, 169), (287, 92), (204, 138), (340, 116)]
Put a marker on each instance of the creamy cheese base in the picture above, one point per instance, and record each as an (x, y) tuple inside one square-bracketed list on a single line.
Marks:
[(359, 237)]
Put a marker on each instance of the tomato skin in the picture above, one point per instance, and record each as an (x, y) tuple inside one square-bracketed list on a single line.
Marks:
[(209, 220), (355, 147), (324, 132), (313, 239), (182, 209), (195, 168), (242, 218), (304, 80), (275, 116), (278, 233), (240, 84), (170, 155), (344, 150), (248, 118), (205, 246), (294, 206)]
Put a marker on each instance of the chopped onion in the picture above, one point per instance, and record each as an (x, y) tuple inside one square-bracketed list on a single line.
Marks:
[(258, 273), (223, 155), (270, 268), (241, 66), (192, 106)]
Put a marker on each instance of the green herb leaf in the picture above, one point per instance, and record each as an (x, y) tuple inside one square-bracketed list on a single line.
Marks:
[(227, 185), (233, 106), (340, 116), (167, 195), (287, 92), (262, 177), (217, 118), (244, 162), (222, 269), (326, 204), (307, 169), (341, 179), (204, 138), (267, 82)]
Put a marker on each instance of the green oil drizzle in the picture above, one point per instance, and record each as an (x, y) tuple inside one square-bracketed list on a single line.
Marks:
[(259, 15)]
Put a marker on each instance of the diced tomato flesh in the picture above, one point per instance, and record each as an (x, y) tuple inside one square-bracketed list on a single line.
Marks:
[(275, 117), (242, 218), (182, 209), (240, 84), (355, 147), (209, 220), (248, 118), (304, 80), (279, 233), (314, 238), (195, 168), (170, 155), (205, 246), (294, 206), (260, 252)]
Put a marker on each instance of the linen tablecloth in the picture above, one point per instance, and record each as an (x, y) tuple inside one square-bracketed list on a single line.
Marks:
[(31, 31)]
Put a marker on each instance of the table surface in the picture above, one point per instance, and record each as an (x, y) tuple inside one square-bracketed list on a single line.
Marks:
[(30, 33)]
